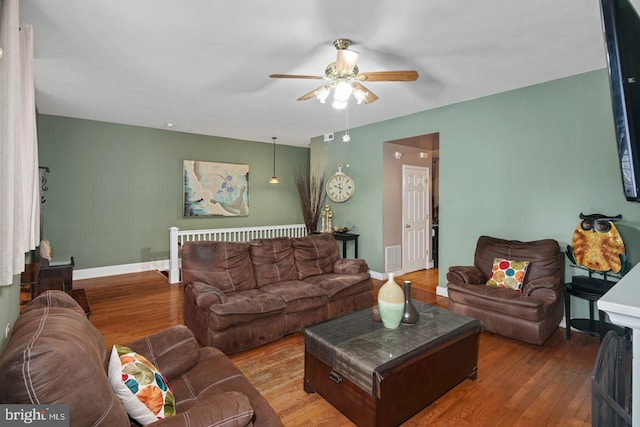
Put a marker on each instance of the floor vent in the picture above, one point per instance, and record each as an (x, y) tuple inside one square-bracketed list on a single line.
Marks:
[(392, 258)]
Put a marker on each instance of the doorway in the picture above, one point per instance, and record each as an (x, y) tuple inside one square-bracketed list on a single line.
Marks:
[(402, 250)]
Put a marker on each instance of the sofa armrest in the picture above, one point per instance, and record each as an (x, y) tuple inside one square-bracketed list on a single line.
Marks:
[(229, 409), (350, 266), (469, 275), (547, 288), (207, 295), (173, 350)]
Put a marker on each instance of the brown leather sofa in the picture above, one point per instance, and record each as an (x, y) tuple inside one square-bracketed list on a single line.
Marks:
[(531, 315), (239, 295), (56, 356)]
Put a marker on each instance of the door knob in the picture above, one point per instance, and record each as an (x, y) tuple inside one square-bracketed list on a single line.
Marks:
[(407, 226)]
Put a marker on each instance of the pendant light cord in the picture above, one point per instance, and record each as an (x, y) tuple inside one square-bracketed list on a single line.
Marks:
[(274, 179)]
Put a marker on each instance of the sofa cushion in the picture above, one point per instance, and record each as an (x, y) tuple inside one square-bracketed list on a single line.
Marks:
[(225, 265), (145, 393), (542, 255), (215, 373), (173, 350), (498, 300), (53, 356), (315, 254), (299, 296), (341, 285), (272, 260), (243, 307)]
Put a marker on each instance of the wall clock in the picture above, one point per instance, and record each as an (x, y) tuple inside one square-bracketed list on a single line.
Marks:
[(340, 186)]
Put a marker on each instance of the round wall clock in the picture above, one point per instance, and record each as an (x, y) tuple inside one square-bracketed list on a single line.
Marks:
[(340, 186)]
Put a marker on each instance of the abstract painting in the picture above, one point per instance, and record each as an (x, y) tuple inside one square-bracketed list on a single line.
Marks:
[(215, 189)]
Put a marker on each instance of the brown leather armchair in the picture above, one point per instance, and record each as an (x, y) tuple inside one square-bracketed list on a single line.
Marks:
[(531, 315)]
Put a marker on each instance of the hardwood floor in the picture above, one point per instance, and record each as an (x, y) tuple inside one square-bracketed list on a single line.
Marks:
[(517, 385)]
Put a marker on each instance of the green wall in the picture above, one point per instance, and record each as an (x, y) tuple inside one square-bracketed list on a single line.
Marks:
[(9, 307), (114, 190), (521, 165)]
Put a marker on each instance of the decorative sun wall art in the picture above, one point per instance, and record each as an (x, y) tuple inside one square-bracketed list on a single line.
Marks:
[(215, 189)]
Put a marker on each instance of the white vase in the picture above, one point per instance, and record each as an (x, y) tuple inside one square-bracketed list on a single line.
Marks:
[(391, 303)]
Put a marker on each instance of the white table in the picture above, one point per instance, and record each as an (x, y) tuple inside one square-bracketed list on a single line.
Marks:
[(622, 304)]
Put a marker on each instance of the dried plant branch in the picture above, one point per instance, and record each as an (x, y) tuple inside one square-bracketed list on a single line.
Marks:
[(311, 192)]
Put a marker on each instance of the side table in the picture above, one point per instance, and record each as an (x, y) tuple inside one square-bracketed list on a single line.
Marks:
[(344, 238), (55, 275), (589, 289), (43, 275)]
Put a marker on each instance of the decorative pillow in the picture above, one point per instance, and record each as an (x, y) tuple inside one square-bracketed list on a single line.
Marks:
[(46, 251), (508, 274), (143, 390)]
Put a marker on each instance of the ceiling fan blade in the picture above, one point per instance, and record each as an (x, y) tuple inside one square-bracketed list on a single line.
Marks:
[(294, 76), (389, 76), (346, 61), (369, 96), (314, 93)]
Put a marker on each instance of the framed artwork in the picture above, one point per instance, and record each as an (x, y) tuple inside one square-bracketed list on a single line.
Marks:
[(215, 189)]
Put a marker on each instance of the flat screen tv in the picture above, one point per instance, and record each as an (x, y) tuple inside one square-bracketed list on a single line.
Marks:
[(621, 27)]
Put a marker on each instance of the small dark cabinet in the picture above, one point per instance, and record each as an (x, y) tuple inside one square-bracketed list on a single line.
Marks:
[(57, 276), (41, 276)]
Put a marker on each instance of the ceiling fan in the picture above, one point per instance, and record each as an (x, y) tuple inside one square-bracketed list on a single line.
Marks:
[(344, 78)]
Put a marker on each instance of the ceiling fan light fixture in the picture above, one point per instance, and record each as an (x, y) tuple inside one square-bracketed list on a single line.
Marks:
[(339, 105), (344, 78), (342, 92), (360, 95), (323, 94), (346, 61)]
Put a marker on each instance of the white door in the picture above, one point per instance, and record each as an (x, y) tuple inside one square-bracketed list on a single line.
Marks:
[(416, 200)]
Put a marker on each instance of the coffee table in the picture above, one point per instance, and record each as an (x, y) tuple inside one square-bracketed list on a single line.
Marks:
[(381, 377)]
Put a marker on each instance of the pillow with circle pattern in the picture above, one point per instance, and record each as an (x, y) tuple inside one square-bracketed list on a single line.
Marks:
[(143, 390), (508, 274)]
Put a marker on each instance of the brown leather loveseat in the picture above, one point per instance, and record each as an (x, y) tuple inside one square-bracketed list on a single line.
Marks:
[(531, 314), (56, 356), (239, 295)]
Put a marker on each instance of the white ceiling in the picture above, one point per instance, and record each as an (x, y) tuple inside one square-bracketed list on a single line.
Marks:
[(204, 65)]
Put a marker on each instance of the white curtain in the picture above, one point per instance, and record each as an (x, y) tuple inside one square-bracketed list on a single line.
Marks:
[(19, 177)]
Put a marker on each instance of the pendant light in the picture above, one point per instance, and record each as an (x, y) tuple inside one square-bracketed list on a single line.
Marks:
[(274, 179)]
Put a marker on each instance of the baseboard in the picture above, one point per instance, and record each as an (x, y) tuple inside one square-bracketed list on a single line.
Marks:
[(442, 291), (378, 276), (112, 270)]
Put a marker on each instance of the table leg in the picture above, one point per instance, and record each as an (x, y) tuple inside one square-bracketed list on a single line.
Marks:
[(355, 246), (603, 325), (592, 322), (344, 249), (567, 314)]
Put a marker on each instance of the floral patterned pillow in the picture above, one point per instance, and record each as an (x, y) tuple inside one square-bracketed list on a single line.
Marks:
[(508, 274), (143, 390)]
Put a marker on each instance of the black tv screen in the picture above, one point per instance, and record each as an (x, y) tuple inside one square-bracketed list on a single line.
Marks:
[(621, 27)]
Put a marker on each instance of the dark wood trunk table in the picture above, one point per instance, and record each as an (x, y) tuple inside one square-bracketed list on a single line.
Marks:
[(381, 377)]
